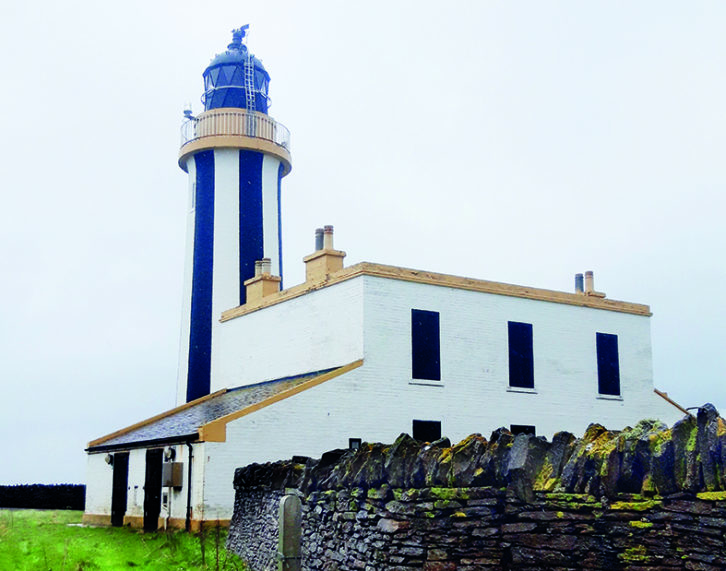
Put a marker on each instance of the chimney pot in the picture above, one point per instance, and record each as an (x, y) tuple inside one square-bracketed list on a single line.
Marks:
[(258, 268), (589, 282), (579, 287), (318, 239), (266, 265), (328, 238)]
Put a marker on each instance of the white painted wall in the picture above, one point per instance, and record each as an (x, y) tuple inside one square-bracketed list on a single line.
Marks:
[(379, 400), (225, 274), (137, 478), (186, 309), (270, 234), (177, 507), (313, 332), (99, 485), (473, 394)]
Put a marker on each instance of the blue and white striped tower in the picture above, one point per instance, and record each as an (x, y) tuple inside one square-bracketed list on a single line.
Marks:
[(235, 155)]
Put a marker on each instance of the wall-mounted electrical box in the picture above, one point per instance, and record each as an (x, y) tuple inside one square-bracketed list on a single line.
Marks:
[(172, 474)]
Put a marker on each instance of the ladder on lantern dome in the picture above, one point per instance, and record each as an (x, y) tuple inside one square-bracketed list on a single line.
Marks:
[(250, 95)]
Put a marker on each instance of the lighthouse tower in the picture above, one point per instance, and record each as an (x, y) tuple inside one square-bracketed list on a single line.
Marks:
[(235, 155)]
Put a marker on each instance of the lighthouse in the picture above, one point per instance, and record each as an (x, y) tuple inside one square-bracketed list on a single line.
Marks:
[(235, 155)]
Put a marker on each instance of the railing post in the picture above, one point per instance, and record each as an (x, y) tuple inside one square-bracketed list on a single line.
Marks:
[(290, 533)]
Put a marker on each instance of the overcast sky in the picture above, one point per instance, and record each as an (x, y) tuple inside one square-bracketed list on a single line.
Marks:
[(513, 141)]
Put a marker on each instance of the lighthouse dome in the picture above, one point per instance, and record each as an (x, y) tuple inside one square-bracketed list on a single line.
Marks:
[(236, 78)]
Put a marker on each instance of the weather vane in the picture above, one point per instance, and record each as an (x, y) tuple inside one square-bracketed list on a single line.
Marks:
[(238, 35)]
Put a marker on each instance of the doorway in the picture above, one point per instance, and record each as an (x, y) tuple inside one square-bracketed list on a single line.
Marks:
[(119, 490), (152, 489)]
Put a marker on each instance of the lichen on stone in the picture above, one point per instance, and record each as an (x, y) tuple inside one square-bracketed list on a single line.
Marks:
[(712, 496), (640, 524), (636, 506), (633, 554), (449, 493)]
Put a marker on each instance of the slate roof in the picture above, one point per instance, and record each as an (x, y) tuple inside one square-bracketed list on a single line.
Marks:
[(183, 423)]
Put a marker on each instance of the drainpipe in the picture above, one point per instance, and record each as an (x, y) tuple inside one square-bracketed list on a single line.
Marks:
[(168, 509), (188, 524)]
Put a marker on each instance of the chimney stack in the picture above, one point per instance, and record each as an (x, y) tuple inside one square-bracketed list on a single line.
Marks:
[(325, 260), (263, 284), (589, 285)]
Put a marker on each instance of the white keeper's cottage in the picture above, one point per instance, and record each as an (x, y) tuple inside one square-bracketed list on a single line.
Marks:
[(359, 353)]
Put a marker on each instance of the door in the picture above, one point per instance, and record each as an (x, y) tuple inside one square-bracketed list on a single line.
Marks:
[(152, 489), (119, 491)]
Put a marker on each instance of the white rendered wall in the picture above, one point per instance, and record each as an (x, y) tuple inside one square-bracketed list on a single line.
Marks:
[(99, 485), (312, 422), (137, 479), (379, 400), (177, 507), (473, 394), (271, 227), (316, 331), (225, 274), (186, 310)]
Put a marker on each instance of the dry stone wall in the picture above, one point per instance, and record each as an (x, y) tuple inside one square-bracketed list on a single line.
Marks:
[(648, 497)]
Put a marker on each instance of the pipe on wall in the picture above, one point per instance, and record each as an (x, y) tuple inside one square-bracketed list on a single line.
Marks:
[(188, 523)]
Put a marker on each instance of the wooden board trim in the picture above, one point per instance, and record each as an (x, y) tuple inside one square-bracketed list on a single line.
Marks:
[(216, 430), (152, 419), (665, 396), (235, 142), (443, 280)]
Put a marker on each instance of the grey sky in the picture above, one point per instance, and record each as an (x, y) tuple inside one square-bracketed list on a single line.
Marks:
[(514, 141)]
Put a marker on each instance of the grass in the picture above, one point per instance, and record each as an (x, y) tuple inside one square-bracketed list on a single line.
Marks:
[(54, 540)]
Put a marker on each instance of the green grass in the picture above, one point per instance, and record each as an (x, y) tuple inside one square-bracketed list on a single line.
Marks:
[(48, 540)]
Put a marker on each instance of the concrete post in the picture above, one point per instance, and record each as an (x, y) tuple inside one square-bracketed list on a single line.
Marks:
[(290, 533)]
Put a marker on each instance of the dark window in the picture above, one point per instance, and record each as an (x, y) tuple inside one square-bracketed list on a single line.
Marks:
[(521, 359), (425, 345), (427, 430), (522, 429), (608, 364), (354, 443)]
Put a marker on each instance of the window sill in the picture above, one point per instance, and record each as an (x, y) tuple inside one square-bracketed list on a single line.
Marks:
[(521, 390), (426, 383), (610, 397)]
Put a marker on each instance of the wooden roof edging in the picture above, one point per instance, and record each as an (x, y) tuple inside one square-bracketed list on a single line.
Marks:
[(665, 396), (216, 430), (501, 288), (443, 280), (155, 418)]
